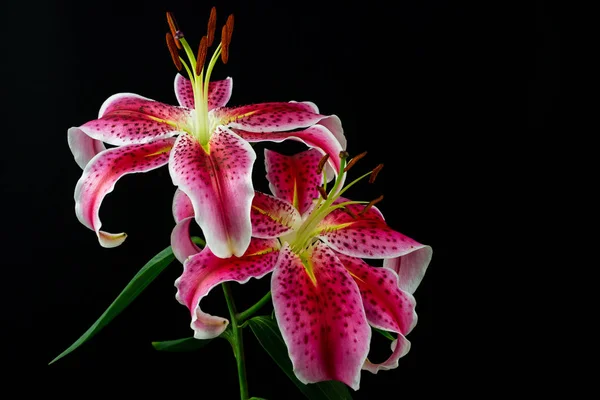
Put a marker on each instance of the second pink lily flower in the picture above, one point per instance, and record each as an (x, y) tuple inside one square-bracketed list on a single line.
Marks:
[(325, 295)]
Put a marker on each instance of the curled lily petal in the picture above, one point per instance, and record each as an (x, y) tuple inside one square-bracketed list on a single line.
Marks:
[(127, 118), (334, 125), (322, 321), (366, 236), (219, 183), (272, 217), (182, 206), (411, 267), (316, 136), (295, 178), (219, 92), (387, 307), (204, 271), (267, 117), (181, 241), (102, 172), (83, 147)]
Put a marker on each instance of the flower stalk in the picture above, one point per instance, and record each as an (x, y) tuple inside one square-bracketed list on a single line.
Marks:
[(237, 342)]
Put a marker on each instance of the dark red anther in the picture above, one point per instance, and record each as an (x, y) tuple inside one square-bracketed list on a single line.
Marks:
[(175, 32), (354, 160), (224, 45), (173, 50), (212, 25), (371, 204), (323, 192), (375, 172), (322, 163), (202, 49)]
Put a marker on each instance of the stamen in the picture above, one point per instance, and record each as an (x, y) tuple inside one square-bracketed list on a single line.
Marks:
[(354, 160), (323, 192), (173, 50), (202, 49), (375, 172), (229, 24), (224, 45), (350, 213), (174, 29), (322, 163), (212, 24), (371, 204)]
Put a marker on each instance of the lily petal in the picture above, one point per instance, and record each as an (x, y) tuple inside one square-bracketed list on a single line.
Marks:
[(367, 236), (220, 184), (334, 125), (410, 267), (316, 136), (267, 117), (127, 118), (104, 170), (181, 241), (323, 322), (386, 306), (219, 92), (83, 147), (272, 217), (182, 206), (295, 178), (204, 271)]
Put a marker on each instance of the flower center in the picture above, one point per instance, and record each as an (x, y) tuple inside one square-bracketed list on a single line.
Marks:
[(198, 71), (302, 238)]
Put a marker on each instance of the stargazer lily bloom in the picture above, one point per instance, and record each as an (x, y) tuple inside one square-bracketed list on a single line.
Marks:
[(325, 295), (205, 144)]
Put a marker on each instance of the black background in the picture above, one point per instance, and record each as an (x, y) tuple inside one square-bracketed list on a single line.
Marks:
[(410, 81)]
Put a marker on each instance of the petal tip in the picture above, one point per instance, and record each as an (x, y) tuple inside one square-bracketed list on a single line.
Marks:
[(218, 327), (110, 240)]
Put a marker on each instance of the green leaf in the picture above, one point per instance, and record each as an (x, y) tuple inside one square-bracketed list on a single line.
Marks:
[(267, 332), (384, 333), (185, 344), (256, 398), (139, 282)]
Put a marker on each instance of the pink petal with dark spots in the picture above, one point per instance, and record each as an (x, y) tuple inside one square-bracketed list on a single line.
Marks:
[(387, 307), (83, 147), (331, 122), (323, 324), (334, 125), (184, 91), (181, 241), (411, 267), (204, 271), (267, 117), (131, 119), (219, 92), (104, 170), (219, 184), (272, 217), (182, 206), (317, 137), (295, 178), (367, 236), (122, 102)]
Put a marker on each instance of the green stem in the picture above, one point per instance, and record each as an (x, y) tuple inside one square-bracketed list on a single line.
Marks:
[(244, 315), (237, 342)]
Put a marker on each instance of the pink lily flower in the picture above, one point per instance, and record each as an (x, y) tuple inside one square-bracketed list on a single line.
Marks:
[(325, 295), (205, 144)]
